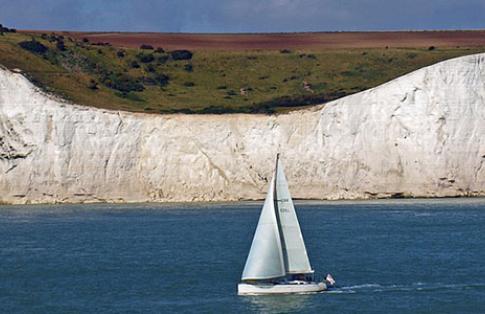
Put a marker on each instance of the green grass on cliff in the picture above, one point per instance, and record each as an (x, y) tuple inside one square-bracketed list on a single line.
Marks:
[(212, 81)]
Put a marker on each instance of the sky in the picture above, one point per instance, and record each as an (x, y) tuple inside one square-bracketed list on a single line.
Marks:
[(236, 16)]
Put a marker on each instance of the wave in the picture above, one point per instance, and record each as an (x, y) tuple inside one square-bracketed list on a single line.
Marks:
[(366, 285), (332, 291), (416, 286)]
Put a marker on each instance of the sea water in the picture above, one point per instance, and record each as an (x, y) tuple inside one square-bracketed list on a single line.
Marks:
[(401, 256)]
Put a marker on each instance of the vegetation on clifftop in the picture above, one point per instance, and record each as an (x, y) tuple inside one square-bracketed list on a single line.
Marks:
[(151, 79)]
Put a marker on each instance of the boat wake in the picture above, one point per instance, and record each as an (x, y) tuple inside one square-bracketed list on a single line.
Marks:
[(417, 286)]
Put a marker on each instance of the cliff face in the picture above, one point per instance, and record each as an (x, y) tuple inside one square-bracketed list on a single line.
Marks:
[(420, 135)]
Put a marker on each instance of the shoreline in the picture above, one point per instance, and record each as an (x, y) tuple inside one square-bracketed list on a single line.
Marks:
[(455, 199)]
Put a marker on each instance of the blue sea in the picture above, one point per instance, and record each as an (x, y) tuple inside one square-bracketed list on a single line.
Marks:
[(390, 256)]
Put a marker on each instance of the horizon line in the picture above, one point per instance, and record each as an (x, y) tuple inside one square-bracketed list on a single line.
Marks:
[(257, 33)]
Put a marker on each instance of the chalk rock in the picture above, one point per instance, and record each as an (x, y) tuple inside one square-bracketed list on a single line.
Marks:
[(420, 135)]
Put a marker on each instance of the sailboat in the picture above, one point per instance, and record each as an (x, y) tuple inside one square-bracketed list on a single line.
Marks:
[(278, 261)]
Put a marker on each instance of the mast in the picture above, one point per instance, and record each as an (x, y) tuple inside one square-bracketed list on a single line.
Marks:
[(277, 213)]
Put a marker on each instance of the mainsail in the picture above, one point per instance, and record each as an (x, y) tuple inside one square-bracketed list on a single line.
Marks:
[(278, 248), (265, 260)]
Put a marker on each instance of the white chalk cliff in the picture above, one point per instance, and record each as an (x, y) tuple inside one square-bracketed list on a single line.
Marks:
[(420, 135)]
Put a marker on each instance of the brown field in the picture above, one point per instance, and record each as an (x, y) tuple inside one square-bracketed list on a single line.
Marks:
[(308, 41)]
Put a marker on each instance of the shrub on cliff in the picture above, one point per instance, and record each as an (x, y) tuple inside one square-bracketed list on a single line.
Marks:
[(162, 59), (145, 57), (150, 68), (33, 46), (93, 85), (162, 79), (60, 45), (217, 110), (120, 53), (122, 82), (181, 55), (4, 29), (188, 67)]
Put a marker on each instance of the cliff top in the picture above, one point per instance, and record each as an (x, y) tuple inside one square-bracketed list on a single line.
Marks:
[(91, 70)]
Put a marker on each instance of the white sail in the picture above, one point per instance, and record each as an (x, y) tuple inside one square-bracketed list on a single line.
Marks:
[(278, 251), (265, 260), (294, 250)]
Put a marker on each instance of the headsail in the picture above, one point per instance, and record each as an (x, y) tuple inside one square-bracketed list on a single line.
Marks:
[(294, 250), (265, 260)]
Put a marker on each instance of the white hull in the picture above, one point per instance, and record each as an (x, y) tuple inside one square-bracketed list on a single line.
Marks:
[(256, 289)]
